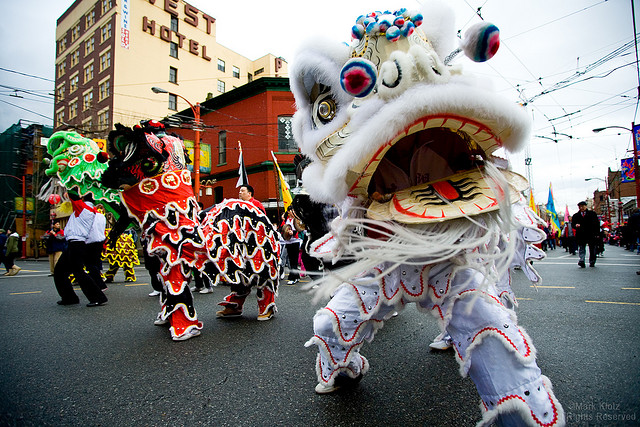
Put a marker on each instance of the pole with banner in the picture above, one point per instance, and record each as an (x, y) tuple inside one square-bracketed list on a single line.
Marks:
[(636, 141)]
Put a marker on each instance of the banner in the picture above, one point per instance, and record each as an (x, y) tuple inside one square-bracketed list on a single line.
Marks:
[(124, 25), (286, 194), (205, 156), (554, 222), (243, 179), (627, 171), (532, 203)]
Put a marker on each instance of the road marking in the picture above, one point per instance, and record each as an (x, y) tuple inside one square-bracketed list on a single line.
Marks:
[(524, 299), (553, 287), (598, 264), (24, 293), (631, 288), (615, 302), (138, 284)]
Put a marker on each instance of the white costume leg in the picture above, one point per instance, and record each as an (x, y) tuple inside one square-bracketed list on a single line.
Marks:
[(356, 311), (499, 357)]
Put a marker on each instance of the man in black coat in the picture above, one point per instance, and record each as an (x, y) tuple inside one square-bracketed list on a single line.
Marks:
[(587, 226)]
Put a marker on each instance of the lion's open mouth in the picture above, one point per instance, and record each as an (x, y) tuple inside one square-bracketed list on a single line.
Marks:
[(432, 171)]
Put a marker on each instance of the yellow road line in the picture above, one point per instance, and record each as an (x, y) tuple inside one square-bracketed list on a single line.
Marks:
[(524, 299), (615, 302), (553, 287), (138, 284), (24, 293), (631, 288)]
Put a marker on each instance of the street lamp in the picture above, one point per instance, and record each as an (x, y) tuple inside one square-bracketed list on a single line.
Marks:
[(636, 172), (606, 185), (196, 144), (24, 213)]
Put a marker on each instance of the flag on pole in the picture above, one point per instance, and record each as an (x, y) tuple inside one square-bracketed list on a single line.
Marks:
[(567, 218), (551, 210), (242, 172), (286, 194), (532, 203)]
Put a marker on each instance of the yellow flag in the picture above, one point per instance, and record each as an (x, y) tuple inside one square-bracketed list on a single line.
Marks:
[(286, 194), (532, 203)]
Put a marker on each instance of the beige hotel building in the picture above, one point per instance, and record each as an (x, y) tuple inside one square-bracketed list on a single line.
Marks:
[(110, 53)]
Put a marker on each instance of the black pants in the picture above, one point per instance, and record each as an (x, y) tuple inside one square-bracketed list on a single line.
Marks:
[(93, 262), (72, 261), (8, 260), (293, 250)]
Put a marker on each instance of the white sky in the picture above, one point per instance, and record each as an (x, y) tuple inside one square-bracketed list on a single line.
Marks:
[(543, 43)]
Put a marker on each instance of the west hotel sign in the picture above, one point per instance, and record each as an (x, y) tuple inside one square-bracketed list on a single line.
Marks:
[(191, 16)]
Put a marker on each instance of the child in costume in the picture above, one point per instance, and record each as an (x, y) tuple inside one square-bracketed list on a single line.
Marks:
[(403, 141)]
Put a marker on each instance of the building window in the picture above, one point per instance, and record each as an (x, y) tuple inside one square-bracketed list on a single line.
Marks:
[(220, 86), (222, 148), (174, 24), (89, 45), (75, 32), (173, 75), (87, 125), (91, 18), (103, 120), (106, 5), (88, 72), (62, 68), (173, 49), (221, 65), (218, 194), (260, 71), (73, 83), (73, 109), (62, 45), (105, 32), (60, 94), (75, 58), (87, 100), (285, 135), (105, 90), (236, 72), (173, 102), (105, 60), (59, 118)]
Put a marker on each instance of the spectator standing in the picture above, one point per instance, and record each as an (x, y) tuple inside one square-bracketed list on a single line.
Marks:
[(12, 249), (3, 243), (587, 226), (55, 243)]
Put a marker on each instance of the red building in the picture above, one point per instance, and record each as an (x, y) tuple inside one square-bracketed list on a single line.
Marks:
[(256, 115)]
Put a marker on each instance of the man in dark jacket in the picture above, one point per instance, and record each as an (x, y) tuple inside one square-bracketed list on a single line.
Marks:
[(587, 226)]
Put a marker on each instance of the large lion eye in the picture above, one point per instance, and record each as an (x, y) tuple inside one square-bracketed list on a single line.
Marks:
[(327, 110)]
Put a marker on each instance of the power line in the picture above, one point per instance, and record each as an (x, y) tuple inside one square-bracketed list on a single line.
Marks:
[(25, 74)]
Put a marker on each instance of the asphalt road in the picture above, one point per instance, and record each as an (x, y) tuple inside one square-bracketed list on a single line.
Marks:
[(110, 366)]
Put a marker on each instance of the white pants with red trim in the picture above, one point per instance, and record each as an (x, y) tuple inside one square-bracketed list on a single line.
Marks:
[(489, 345)]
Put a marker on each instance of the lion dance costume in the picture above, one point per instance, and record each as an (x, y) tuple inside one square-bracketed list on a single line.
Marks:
[(403, 141), (123, 255), (235, 242)]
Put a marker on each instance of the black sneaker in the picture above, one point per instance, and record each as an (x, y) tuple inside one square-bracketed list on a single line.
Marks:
[(581, 264)]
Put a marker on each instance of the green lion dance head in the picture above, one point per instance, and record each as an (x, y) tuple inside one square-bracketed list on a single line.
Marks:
[(75, 163)]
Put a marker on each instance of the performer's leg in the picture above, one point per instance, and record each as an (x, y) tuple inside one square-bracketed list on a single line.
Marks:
[(61, 274), (78, 252), (232, 304), (111, 272), (178, 304), (266, 303), (500, 359), (293, 251), (353, 315), (129, 273)]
